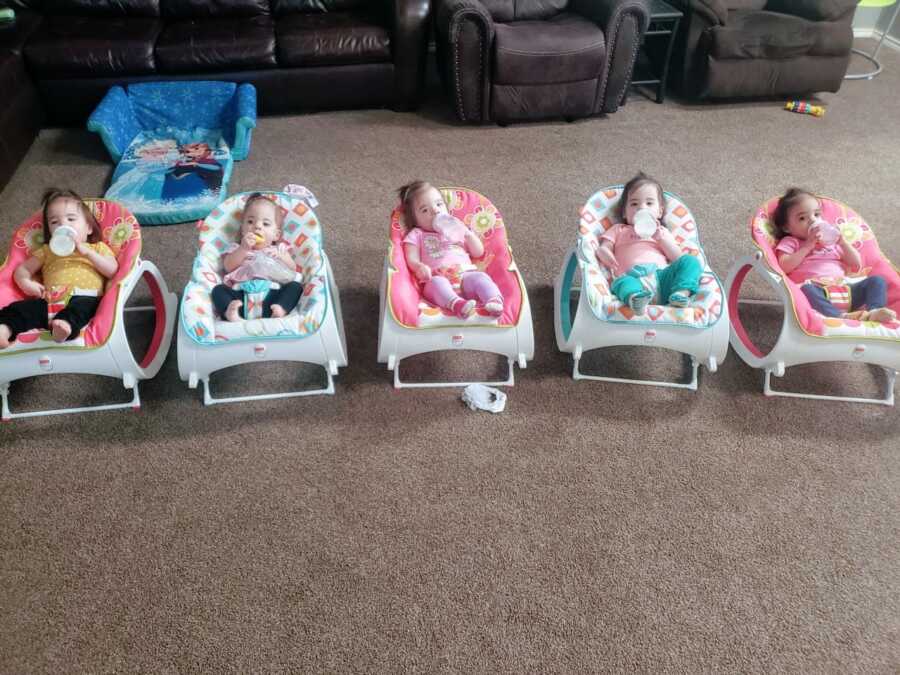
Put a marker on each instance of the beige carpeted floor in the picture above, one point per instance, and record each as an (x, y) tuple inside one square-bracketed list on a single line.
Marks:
[(590, 527)]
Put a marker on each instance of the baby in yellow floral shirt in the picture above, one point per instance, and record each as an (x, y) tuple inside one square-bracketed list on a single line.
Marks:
[(80, 277)]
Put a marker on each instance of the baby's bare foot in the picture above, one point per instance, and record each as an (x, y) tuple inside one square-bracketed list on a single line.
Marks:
[(5, 334), (233, 311), (60, 330), (882, 315), (277, 311)]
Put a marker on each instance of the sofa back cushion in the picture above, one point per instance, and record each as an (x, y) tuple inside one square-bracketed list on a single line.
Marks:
[(198, 9), (523, 10), (148, 8), (745, 4), (282, 7)]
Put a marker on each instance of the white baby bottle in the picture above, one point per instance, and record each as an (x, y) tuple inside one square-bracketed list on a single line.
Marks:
[(62, 243), (644, 224)]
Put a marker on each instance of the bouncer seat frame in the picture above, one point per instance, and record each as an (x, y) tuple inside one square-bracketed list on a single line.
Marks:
[(313, 332), (409, 325), (600, 320), (102, 347), (807, 336)]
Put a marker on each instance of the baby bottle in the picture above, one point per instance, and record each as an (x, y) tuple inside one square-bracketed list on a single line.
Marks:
[(451, 228), (62, 243), (830, 234), (644, 224)]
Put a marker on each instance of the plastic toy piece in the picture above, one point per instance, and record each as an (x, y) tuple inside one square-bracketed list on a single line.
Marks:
[(805, 108)]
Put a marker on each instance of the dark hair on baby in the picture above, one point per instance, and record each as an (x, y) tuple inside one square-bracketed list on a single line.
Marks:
[(788, 200), (639, 181), (407, 195), (51, 195), (259, 196)]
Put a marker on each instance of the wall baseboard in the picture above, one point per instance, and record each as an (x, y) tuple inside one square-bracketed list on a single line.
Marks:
[(889, 40)]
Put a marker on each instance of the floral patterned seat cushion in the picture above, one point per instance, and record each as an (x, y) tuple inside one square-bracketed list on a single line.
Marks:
[(855, 231), (301, 230), (405, 300), (121, 233), (597, 216)]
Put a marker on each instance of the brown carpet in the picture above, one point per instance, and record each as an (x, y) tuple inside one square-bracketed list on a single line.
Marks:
[(590, 527)]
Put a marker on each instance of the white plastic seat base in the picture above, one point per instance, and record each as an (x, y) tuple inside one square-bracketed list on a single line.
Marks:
[(114, 358), (795, 347), (508, 382)]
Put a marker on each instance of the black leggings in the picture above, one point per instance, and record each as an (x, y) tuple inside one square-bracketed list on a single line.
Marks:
[(287, 297), (25, 315)]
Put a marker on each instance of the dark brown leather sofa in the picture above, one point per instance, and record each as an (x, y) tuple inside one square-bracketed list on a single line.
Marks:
[(300, 54), (20, 109), (759, 48), (509, 60)]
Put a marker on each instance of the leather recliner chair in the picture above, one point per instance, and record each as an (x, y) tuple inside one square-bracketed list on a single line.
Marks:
[(758, 48), (509, 60)]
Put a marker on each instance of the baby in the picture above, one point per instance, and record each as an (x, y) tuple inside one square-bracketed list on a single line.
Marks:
[(646, 267), (79, 276), (437, 248), (815, 255), (260, 255)]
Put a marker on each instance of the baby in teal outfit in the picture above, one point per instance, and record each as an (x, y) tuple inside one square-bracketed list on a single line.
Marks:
[(642, 254)]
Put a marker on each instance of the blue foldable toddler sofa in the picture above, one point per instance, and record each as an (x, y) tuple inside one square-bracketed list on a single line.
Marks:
[(175, 144)]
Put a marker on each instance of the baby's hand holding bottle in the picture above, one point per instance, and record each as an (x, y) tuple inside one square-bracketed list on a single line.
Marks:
[(824, 233), (451, 228)]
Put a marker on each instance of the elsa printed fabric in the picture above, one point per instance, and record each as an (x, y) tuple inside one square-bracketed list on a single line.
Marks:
[(217, 232), (597, 216), (172, 175)]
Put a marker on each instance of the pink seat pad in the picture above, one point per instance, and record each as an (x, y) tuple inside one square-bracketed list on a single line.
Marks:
[(121, 233), (854, 230), (481, 216)]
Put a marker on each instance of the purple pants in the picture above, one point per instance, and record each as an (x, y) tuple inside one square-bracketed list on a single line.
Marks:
[(475, 285)]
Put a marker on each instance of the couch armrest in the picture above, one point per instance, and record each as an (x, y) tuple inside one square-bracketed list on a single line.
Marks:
[(410, 47), (465, 36), (813, 10), (624, 23), (714, 12), (241, 121), (14, 36), (114, 120)]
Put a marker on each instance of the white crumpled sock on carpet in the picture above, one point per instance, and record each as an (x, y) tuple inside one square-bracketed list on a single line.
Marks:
[(481, 397)]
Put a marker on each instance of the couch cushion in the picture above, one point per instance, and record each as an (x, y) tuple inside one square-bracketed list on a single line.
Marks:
[(217, 44), (198, 9), (282, 7), (77, 45), (769, 35), (145, 8), (336, 38), (566, 48)]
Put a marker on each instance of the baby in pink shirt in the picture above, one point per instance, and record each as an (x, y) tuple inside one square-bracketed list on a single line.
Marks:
[(649, 266), (819, 262), (439, 257)]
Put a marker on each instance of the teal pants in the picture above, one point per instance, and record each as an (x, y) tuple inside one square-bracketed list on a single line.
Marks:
[(683, 273)]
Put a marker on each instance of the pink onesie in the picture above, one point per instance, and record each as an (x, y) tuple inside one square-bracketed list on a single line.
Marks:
[(453, 274)]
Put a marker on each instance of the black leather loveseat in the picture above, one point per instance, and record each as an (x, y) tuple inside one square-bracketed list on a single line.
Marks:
[(300, 54)]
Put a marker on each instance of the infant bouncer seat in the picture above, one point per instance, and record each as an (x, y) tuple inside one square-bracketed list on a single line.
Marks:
[(102, 348), (312, 332), (410, 325), (600, 320), (806, 335)]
